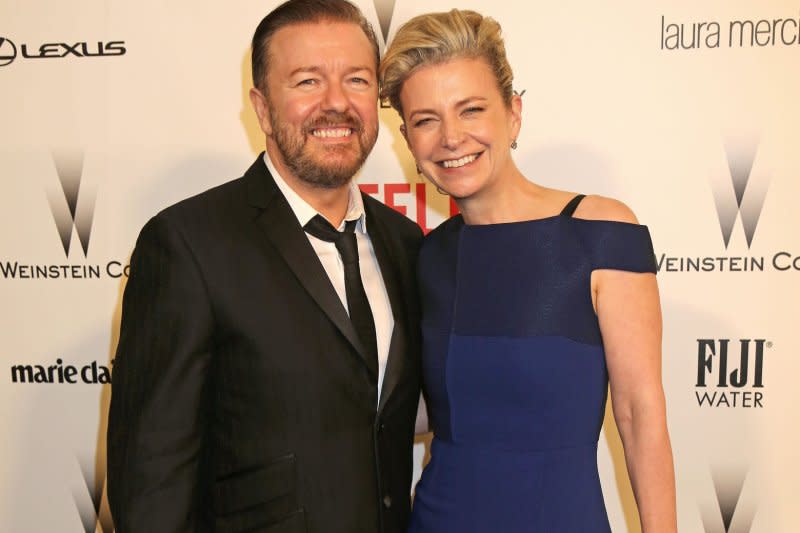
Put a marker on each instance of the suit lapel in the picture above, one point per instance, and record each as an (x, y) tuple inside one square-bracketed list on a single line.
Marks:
[(279, 224), (396, 362)]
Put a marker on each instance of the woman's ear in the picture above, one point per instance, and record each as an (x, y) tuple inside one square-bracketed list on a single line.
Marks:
[(404, 132)]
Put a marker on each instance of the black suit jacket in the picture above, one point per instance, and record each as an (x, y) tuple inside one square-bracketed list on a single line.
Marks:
[(241, 399)]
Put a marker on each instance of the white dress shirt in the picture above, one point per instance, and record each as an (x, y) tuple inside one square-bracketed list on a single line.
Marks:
[(332, 262)]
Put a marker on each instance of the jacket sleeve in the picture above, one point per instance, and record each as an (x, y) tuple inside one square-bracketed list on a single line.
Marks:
[(157, 418)]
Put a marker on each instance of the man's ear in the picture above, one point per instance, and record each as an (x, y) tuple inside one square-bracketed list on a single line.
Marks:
[(403, 131), (261, 107)]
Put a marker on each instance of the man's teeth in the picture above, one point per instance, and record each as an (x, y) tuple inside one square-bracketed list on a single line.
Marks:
[(332, 132), (455, 163)]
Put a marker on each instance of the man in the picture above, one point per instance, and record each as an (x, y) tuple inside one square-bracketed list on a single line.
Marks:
[(244, 396)]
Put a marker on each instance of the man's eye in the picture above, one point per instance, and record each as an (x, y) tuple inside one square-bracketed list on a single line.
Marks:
[(421, 122), (473, 109), (308, 81), (359, 81)]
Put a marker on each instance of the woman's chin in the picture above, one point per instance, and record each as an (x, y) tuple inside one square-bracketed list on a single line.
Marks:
[(460, 191)]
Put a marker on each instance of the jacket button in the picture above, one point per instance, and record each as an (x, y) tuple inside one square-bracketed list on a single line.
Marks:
[(387, 501)]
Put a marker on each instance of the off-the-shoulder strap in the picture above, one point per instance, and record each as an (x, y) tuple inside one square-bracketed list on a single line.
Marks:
[(620, 246), (570, 208)]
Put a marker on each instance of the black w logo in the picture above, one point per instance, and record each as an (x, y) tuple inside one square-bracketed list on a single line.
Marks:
[(67, 214), (92, 507), (728, 485), (743, 194), (385, 10)]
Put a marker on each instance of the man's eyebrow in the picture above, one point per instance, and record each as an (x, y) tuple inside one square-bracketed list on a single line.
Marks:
[(359, 68), (316, 69), (312, 69)]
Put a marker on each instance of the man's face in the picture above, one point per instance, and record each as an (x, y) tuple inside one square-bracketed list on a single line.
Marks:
[(320, 107)]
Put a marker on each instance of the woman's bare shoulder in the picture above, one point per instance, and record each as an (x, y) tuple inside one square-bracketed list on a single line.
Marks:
[(595, 207)]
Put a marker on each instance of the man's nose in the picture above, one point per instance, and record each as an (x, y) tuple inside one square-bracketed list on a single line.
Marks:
[(335, 98)]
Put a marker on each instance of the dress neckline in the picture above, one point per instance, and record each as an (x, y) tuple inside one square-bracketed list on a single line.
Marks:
[(463, 223), (567, 212), (459, 218)]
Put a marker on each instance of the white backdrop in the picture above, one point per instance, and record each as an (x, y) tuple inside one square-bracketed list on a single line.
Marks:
[(687, 112)]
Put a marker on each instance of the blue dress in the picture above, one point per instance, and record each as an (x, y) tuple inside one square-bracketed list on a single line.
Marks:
[(515, 373)]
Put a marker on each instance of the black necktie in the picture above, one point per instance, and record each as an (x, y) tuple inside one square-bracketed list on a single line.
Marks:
[(357, 303)]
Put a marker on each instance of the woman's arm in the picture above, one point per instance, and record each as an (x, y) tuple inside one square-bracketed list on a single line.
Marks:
[(630, 321), (629, 313)]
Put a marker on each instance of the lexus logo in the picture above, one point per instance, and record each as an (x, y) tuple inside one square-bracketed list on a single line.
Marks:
[(84, 49), (741, 193), (8, 51), (67, 212)]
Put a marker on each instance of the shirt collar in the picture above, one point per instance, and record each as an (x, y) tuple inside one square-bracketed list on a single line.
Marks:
[(304, 212)]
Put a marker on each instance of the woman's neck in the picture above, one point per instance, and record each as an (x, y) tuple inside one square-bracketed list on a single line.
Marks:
[(511, 199)]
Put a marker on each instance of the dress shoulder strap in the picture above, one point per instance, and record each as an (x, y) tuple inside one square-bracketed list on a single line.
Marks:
[(570, 208)]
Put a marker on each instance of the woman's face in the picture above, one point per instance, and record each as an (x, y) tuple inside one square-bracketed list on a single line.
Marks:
[(458, 127)]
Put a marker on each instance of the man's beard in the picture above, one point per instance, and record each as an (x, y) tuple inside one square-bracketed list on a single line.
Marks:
[(329, 168)]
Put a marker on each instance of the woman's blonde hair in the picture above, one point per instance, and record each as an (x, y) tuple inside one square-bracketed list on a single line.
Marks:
[(436, 38)]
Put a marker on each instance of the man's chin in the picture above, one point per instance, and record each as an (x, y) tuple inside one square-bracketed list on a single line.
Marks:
[(329, 174), (337, 162), (328, 179)]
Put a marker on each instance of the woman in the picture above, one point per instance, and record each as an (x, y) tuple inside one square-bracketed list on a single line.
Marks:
[(534, 300)]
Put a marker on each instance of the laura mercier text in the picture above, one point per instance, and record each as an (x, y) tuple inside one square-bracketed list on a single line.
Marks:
[(741, 33)]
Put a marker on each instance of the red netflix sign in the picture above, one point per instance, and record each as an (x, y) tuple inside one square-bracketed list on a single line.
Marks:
[(401, 196)]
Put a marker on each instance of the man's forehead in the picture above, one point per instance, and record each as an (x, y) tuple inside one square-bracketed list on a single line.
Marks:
[(325, 39)]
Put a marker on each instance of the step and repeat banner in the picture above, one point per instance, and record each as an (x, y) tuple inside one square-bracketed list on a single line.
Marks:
[(687, 111)]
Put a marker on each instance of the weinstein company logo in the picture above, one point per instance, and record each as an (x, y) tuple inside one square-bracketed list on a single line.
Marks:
[(93, 510), (739, 194), (72, 205), (385, 10), (64, 203), (730, 514)]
